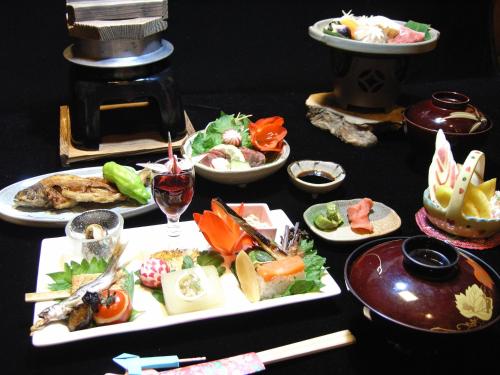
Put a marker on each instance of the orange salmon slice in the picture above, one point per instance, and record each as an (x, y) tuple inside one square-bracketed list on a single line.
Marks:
[(358, 215), (283, 267)]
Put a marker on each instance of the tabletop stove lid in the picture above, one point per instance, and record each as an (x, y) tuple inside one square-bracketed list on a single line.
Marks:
[(121, 53)]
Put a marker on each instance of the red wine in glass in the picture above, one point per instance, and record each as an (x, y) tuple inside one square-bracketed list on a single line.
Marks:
[(173, 193)]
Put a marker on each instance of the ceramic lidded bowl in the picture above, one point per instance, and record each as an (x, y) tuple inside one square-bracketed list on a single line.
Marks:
[(462, 123), (424, 284)]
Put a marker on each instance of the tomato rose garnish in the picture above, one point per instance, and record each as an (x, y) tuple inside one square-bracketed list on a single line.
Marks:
[(114, 307), (267, 134)]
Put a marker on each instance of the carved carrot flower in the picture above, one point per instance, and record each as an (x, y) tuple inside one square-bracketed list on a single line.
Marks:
[(222, 233), (267, 134)]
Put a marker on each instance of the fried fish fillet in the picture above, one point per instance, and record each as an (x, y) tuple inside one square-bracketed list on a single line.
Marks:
[(66, 191)]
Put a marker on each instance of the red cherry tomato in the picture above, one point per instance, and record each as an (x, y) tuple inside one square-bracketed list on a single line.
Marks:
[(115, 307)]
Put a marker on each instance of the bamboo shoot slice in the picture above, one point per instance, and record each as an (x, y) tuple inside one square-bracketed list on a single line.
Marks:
[(247, 277)]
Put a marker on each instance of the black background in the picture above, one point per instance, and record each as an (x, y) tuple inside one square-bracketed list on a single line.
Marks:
[(250, 57)]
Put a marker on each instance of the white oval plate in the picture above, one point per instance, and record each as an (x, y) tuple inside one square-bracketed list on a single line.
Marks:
[(59, 218), (236, 177), (316, 32), (384, 219)]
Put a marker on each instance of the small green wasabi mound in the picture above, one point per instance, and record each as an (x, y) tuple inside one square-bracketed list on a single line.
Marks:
[(330, 220)]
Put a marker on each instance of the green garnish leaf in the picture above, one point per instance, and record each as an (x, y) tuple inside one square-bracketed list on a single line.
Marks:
[(212, 135), (63, 280), (260, 256), (314, 271), (134, 314), (187, 262), (212, 258), (334, 33), (301, 287), (421, 27), (128, 283), (158, 295)]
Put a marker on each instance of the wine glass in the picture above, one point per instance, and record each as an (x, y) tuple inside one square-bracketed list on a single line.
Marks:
[(173, 192)]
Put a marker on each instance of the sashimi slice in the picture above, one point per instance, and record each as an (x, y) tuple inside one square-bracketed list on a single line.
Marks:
[(407, 35), (284, 267), (358, 215)]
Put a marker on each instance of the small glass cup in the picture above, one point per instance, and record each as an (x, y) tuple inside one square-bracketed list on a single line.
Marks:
[(173, 192), (95, 232)]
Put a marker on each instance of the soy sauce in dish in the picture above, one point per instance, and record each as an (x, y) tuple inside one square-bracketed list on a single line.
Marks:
[(315, 177)]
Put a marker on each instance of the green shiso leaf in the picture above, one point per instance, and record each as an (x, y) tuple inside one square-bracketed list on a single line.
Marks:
[(187, 262), (134, 314), (260, 256), (211, 258), (421, 27), (129, 283), (314, 271), (158, 295), (63, 280)]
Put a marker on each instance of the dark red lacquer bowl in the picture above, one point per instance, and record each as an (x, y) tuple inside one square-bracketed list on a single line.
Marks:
[(463, 124), (424, 284)]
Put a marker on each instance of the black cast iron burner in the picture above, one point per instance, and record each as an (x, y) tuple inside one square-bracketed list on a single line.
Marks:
[(92, 87)]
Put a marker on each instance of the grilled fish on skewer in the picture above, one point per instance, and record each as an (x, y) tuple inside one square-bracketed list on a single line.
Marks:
[(61, 310), (268, 245)]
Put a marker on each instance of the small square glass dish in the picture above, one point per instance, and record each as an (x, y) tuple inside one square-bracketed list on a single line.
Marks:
[(258, 216), (95, 232)]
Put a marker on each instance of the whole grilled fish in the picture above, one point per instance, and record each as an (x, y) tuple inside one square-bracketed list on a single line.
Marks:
[(61, 310), (62, 191)]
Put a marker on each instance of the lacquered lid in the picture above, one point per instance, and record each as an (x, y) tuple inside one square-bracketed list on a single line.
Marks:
[(449, 111), (425, 284)]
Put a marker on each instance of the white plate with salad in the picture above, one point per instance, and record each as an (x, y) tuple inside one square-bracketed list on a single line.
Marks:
[(227, 153), (142, 242), (58, 218)]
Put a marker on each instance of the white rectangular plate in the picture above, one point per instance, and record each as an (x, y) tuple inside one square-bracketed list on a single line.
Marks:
[(142, 242)]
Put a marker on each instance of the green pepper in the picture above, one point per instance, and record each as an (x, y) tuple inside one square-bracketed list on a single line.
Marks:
[(127, 181)]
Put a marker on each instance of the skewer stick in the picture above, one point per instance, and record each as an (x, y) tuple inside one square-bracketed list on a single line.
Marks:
[(46, 296)]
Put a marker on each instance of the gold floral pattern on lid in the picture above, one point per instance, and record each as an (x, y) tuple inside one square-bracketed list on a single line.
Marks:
[(474, 303)]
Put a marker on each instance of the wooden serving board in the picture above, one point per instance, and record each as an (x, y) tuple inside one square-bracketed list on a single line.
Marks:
[(113, 145), (351, 127)]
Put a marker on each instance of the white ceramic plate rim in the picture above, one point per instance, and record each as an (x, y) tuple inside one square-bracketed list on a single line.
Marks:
[(53, 218), (330, 236), (56, 251), (316, 32), (187, 151)]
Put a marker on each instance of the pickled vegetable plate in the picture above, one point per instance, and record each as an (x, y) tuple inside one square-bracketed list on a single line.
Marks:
[(142, 242)]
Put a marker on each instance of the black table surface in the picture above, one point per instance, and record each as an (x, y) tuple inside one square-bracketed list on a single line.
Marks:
[(392, 172)]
